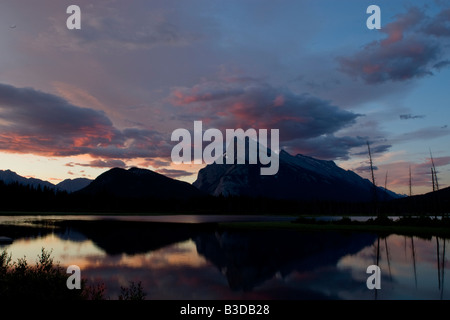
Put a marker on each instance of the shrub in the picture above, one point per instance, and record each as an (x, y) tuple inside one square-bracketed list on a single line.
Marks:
[(48, 281), (44, 281), (133, 292)]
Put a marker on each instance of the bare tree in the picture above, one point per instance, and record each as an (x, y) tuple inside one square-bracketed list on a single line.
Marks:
[(374, 187), (410, 182), (433, 174)]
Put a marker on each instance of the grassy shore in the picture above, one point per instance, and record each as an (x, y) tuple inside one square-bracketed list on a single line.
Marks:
[(423, 226)]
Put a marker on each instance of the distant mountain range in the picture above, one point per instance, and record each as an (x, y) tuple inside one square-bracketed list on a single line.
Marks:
[(302, 183), (69, 185), (299, 178)]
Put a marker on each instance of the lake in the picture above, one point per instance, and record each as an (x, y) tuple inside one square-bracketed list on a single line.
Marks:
[(191, 257)]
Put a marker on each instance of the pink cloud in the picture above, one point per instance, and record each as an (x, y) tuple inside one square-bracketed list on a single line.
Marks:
[(45, 124), (249, 103), (409, 51), (395, 30)]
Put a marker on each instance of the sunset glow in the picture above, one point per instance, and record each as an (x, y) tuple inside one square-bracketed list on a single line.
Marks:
[(75, 103)]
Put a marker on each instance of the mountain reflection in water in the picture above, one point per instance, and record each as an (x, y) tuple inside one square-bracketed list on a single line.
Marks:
[(203, 261)]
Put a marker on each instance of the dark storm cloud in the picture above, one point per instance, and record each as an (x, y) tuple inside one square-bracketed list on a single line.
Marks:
[(306, 123), (38, 110), (36, 122), (413, 47)]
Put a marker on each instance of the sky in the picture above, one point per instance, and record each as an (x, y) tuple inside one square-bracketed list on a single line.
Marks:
[(75, 103)]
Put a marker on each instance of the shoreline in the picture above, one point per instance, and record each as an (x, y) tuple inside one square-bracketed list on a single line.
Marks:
[(440, 229), (425, 226)]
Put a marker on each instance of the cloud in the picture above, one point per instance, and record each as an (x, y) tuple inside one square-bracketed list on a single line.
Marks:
[(374, 149), (303, 120), (398, 173), (40, 123), (173, 173), (129, 33), (410, 116), (421, 134), (326, 146), (156, 163), (111, 163), (411, 50), (107, 26), (364, 169), (441, 64), (439, 26), (397, 62), (425, 167), (395, 30)]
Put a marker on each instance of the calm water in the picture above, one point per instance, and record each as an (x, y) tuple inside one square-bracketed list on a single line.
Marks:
[(201, 261)]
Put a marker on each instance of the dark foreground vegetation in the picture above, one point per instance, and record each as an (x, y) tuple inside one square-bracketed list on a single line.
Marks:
[(18, 198), (46, 280)]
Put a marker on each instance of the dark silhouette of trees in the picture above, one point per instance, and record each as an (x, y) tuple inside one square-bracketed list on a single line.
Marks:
[(19, 198)]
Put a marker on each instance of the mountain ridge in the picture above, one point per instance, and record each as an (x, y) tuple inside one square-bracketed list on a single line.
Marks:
[(139, 183), (69, 185), (299, 178), (8, 177), (299, 172)]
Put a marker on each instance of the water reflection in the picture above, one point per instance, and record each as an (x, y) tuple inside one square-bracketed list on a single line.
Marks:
[(202, 261), (412, 267)]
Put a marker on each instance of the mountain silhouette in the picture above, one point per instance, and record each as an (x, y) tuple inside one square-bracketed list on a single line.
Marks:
[(9, 177), (72, 185), (69, 185), (299, 178), (139, 183)]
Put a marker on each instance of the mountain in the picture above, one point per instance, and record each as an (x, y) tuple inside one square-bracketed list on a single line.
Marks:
[(299, 178), (69, 185), (139, 183), (8, 177), (72, 185)]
